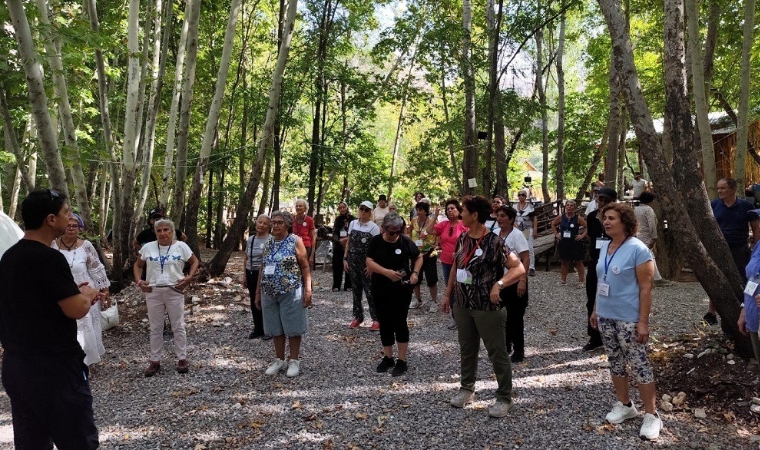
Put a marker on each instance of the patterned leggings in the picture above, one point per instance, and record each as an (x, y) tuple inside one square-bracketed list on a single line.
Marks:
[(359, 283), (619, 338)]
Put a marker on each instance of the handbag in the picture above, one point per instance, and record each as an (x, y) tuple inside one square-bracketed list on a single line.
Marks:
[(110, 317)]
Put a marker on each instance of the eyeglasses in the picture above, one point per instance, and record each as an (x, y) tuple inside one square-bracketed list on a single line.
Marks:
[(521, 195), (72, 227), (278, 222), (364, 208), (393, 232)]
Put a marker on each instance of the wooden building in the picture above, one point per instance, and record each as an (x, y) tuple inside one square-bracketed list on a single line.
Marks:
[(724, 145)]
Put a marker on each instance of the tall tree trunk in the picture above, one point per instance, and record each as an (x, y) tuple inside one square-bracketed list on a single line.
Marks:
[(613, 129), (449, 132), (598, 153), (219, 262), (722, 290), (700, 98), (11, 144), (561, 107), (183, 140), (191, 222), (471, 157), (544, 116), (493, 21), (37, 97), (740, 157)]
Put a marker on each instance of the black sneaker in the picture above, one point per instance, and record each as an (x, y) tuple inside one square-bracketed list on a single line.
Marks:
[(591, 346), (710, 318), (532, 273), (517, 358), (385, 364), (400, 368), (255, 335)]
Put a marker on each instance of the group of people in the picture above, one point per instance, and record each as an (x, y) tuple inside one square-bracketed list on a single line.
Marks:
[(485, 272)]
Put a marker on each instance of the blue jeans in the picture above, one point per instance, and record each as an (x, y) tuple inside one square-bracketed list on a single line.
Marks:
[(446, 268)]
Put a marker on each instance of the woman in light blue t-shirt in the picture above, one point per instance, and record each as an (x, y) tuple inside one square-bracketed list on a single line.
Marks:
[(623, 301)]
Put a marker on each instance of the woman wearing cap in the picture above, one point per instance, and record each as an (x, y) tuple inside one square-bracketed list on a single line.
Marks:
[(303, 227), (284, 293), (623, 303), (86, 268), (360, 233), (570, 241), (423, 236), (254, 249), (476, 279), (388, 257), (527, 223), (165, 261)]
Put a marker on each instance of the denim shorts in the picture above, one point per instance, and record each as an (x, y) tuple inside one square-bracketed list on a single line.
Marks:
[(284, 313)]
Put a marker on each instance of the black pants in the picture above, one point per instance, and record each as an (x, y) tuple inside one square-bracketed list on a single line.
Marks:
[(392, 307), (337, 267), (252, 278), (591, 282), (741, 256), (429, 270), (51, 401), (516, 305)]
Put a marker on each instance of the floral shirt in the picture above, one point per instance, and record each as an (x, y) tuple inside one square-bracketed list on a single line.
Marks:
[(485, 270), (422, 239), (285, 274)]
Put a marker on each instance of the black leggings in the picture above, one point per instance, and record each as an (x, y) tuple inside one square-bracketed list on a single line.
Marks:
[(252, 278), (591, 282), (337, 267), (392, 307), (429, 270), (516, 305)]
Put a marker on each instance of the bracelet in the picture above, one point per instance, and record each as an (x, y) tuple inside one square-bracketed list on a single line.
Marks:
[(345, 258), (415, 272)]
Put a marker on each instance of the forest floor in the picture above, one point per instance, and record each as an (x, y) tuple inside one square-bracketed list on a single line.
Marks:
[(338, 401)]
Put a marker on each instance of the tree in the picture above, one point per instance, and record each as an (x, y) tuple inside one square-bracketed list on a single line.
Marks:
[(470, 163), (740, 157)]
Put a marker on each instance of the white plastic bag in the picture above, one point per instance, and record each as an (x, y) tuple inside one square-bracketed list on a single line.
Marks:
[(110, 317)]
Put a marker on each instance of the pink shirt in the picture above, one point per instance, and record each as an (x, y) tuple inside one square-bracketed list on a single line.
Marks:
[(449, 239)]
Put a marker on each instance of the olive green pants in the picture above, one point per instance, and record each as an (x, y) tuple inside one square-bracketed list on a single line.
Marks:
[(472, 326)]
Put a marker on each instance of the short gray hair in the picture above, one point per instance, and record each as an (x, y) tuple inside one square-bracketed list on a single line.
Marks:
[(286, 217), (300, 200), (166, 221), (392, 220), (264, 216)]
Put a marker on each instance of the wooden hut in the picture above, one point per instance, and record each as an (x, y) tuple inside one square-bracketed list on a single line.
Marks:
[(724, 145)]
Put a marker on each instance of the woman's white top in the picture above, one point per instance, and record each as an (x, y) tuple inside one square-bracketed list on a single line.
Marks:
[(165, 263), (85, 265)]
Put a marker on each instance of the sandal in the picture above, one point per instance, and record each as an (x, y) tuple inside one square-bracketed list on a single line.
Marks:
[(563, 283)]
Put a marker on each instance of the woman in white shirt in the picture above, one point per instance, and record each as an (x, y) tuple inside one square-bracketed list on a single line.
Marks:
[(165, 260)]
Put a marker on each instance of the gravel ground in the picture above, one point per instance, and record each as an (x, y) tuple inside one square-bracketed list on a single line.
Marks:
[(338, 401)]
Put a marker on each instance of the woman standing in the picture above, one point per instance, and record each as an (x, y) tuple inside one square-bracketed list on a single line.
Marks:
[(86, 268), (165, 260), (254, 249), (476, 279), (284, 293), (388, 258), (423, 236), (570, 241), (447, 234), (623, 304), (340, 239), (647, 221), (303, 227), (360, 233), (527, 222), (514, 297)]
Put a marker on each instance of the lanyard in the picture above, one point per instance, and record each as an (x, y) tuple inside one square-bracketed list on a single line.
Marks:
[(253, 241), (277, 250), (466, 260), (162, 259), (607, 263)]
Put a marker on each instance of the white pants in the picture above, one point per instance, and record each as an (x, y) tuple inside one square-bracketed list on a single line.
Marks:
[(166, 300), (528, 233)]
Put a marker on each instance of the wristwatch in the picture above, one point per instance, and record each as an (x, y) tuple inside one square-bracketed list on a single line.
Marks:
[(501, 284)]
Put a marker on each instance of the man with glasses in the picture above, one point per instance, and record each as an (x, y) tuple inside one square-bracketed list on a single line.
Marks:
[(43, 364), (597, 237)]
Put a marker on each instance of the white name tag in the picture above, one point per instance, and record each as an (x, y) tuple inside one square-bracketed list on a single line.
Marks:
[(343, 233), (600, 243), (269, 269), (565, 234), (464, 276), (418, 242), (751, 288), (162, 280), (603, 289)]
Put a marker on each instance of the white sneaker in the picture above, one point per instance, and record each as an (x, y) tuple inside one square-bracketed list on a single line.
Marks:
[(415, 304), (294, 368), (276, 367), (620, 413), (499, 409), (651, 427), (452, 324), (462, 398), (433, 307)]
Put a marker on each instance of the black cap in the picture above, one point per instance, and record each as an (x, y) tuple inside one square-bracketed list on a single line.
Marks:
[(156, 212), (382, 197), (608, 192)]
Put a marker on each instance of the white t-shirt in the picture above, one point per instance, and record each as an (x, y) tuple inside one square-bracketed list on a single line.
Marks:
[(639, 187), (368, 227), (516, 242), (379, 214), (591, 207), (165, 262)]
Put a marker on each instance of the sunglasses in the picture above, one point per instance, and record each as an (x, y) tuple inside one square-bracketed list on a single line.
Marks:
[(521, 195), (392, 232), (364, 208)]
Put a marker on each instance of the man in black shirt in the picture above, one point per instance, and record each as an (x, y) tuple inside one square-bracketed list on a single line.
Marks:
[(596, 237), (43, 365), (149, 234)]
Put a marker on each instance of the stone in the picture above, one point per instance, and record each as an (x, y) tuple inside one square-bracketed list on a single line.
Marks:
[(679, 399), (666, 406), (700, 413), (666, 398), (755, 409), (756, 400), (688, 356), (731, 362), (706, 352), (730, 356)]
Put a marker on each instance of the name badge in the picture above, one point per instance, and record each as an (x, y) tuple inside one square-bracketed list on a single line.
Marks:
[(566, 234), (304, 224), (398, 251), (464, 276), (600, 243), (603, 289), (418, 242), (162, 280), (269, 269), (479, 252), (343, 233), (751, 288)]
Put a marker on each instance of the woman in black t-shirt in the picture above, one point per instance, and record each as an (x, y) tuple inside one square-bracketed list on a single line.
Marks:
[(388, 258)]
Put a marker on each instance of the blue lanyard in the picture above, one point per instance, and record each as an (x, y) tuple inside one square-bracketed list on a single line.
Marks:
[(162, 259), (277, 250), (606, 262)]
